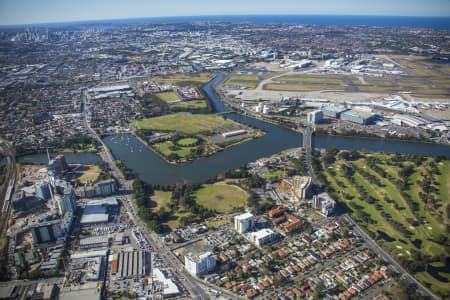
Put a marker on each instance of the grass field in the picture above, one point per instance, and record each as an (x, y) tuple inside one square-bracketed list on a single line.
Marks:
[(193, 104), (273, 174), (88, 173), (168, 97), (221, 197), (247, 81), (183, 123), (404, 227), (301, 87), (187, 141), (166, 149), (424, 77), (160, 199)]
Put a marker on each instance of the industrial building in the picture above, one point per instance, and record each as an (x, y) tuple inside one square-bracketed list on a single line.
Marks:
[(98, 211), (48, 231), (43, 190), (33, 291), (358, 116), (102, 188), (234, 133), (333, 112), (169, 288), (199, 264), (94, 242), (263, 237), (244, 223), (315, 117), (130, 264)]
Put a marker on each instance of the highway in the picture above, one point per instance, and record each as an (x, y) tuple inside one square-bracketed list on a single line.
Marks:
[(196, 290)]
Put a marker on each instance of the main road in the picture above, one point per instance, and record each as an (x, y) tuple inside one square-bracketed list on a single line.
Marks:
[(196, 290)]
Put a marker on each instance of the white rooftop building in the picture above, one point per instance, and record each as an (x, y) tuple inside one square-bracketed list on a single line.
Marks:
[(244, 222), (263, 237), (199, 264)]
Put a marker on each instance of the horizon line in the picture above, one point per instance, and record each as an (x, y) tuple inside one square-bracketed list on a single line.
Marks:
[(213, 15)]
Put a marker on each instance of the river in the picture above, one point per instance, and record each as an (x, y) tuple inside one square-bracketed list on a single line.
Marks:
[(151, 168)]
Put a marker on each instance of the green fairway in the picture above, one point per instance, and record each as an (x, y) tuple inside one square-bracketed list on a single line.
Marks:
[(221, 197), (398, 217), (168, 97), (183, 123)]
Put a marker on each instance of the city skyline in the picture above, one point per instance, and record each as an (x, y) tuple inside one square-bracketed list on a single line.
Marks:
[(50, 11)]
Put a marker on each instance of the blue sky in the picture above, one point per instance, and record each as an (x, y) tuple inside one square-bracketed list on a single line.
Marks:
[(40, 11)]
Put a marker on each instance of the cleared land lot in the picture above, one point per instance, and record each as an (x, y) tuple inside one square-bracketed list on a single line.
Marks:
[(88, 173), (160, 199), (221, 197), (247, 81), (407, 213), (183, 123)]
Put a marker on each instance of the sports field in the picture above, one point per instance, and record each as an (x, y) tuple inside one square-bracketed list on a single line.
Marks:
[(184, 123), (221, 197), (405, 211)]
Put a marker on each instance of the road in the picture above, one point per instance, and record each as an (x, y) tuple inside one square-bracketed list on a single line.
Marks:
[(195, 289), (7, 150)]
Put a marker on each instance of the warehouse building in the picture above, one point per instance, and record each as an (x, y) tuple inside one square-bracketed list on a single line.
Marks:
[(99, 211), (94, 242), (130, 264)]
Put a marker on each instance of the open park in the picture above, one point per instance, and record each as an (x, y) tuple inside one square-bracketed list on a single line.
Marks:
[(184, 123), (221, 197)]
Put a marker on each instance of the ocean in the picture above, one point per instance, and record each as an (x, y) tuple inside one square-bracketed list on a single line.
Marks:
[(440, 23)]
